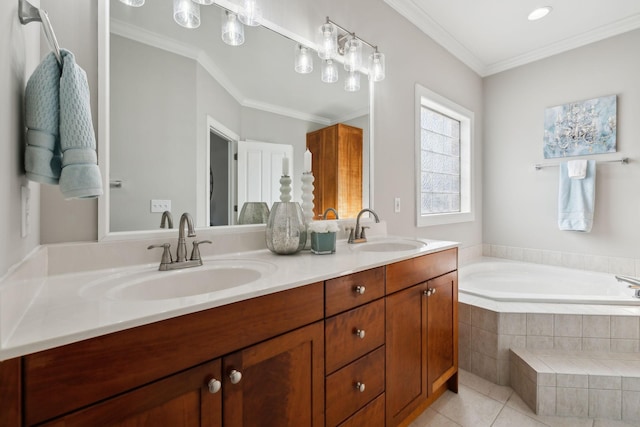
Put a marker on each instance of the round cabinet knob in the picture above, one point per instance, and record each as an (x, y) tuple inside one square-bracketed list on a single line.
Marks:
[(360, 289), (427, 292), (360, 387), (235, 376), (214, 385), (433, 291), (360, 333)]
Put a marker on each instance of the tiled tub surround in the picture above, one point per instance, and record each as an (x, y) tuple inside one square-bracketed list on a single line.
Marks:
[(593, 333)]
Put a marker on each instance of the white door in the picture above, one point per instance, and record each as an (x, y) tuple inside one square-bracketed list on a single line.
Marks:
[(259, 171)]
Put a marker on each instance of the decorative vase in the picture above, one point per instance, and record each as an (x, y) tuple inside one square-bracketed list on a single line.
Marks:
[(254, 213), (286, 230), (323, 243)]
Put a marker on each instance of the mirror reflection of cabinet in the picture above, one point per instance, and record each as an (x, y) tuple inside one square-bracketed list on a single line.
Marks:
[(337, 168)]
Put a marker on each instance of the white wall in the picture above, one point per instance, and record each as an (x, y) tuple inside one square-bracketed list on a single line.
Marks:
[(520, 204), (411, 57), (20, 53)]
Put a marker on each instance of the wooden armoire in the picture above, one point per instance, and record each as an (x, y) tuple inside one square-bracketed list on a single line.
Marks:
[(337, 168)]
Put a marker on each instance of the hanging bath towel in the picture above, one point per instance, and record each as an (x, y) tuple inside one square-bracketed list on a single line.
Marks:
[(576, 199)]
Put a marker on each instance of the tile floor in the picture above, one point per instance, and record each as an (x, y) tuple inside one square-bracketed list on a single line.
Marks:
[(481, 403)]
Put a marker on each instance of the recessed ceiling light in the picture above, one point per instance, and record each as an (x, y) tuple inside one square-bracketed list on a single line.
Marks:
[(539, 13)]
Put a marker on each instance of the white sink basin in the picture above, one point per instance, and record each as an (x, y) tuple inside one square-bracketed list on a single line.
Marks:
[(147, 285), (388, 245)]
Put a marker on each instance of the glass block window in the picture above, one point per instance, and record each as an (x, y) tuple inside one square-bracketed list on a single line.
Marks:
[(440, 163)]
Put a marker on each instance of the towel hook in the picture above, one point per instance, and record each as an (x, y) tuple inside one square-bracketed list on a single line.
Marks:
[(29, 13)]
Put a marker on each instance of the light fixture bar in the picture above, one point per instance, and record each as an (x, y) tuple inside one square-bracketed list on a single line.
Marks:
[(374, 47)]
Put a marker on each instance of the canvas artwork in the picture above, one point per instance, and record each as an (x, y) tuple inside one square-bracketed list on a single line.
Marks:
[(581, 128)]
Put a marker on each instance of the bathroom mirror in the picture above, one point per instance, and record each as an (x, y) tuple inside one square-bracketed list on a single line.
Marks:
[(180, 101)]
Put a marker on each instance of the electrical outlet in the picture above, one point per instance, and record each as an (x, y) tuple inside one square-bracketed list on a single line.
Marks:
[(396, 205), (26, 211), (159, 206)]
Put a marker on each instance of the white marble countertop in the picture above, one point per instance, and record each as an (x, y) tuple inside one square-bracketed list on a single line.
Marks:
[(56, 313)]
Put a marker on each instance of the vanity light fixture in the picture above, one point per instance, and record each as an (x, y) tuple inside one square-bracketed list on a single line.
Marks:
[(186, 13), (539, 13), (232, 29), (133, 3), (334, 41), (329, 72), (250, 13), (304, 60)]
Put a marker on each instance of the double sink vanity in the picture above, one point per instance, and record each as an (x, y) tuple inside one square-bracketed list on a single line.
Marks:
[(367, 336)]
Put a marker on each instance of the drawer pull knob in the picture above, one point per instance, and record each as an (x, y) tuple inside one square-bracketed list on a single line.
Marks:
[(360, 333), (360, 387), (214, 385), (235, 376), (429, 292), (360, 289)]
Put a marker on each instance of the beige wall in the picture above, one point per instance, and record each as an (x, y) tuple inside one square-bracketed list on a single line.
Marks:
[(520, 204)]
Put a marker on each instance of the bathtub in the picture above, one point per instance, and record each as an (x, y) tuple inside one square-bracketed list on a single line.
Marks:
[(512, 281)]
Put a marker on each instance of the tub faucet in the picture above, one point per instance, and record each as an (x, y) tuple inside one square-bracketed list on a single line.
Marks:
[(335, 212), (167, 262), (633, 283), (357, 235), (166, 218)]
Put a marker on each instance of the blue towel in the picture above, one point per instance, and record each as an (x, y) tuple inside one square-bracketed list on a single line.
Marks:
[(80, 176), (61, 145), (42, 160), (576, 199)]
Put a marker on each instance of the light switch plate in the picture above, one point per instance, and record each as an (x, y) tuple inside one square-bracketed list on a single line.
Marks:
[(396, 205)]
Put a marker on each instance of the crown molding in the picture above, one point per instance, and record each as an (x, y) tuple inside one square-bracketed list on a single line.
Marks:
[(159, 41), (418, 17)]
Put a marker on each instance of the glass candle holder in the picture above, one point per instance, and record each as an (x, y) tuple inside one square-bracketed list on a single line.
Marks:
[(286, 230)]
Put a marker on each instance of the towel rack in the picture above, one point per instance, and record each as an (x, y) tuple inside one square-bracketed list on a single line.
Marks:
[(29, 13), (624, 161)]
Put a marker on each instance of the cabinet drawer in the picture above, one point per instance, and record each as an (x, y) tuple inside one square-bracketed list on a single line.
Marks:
[(343, 398), (407, 273), (346, 292), (371, 415), (352, 334)]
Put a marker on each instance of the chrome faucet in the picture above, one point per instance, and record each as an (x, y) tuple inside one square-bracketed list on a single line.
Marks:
[(166, 218), (335, 212), (357, 235), (633, 283), (167, 262)]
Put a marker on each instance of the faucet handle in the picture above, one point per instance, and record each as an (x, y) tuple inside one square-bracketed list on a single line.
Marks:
[(362, 234), (166, 253), (195, 252), (351, 234)]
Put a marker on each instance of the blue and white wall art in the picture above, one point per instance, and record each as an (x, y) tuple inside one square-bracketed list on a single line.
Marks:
[(581, 128)]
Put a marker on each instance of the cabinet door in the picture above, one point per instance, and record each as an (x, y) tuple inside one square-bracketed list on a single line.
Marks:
[(406, 345), (277, 383), (181, 400), (442, 323)]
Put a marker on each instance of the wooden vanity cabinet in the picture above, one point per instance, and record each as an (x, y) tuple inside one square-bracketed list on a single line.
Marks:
[(337, 168), (355, 348), (162, 370), (421, 320)]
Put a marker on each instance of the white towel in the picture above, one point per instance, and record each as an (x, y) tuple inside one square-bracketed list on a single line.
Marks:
[(577, 169), (576, 199)]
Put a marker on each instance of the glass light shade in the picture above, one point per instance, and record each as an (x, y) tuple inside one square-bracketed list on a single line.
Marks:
[(186, 13), (304, 60), (352, 82), (232, 29), (329, 71), (327, 40), (352, 54), (203, 2), (250, 13), (376, 66), (133, 3)]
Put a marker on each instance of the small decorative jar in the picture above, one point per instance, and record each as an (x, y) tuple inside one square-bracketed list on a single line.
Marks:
[(286, 231), (323, 237)]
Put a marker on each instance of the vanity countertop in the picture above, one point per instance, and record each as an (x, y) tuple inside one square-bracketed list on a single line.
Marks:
[(56, 313)]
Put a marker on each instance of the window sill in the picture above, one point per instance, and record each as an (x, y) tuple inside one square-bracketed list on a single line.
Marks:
[(443, 219)]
